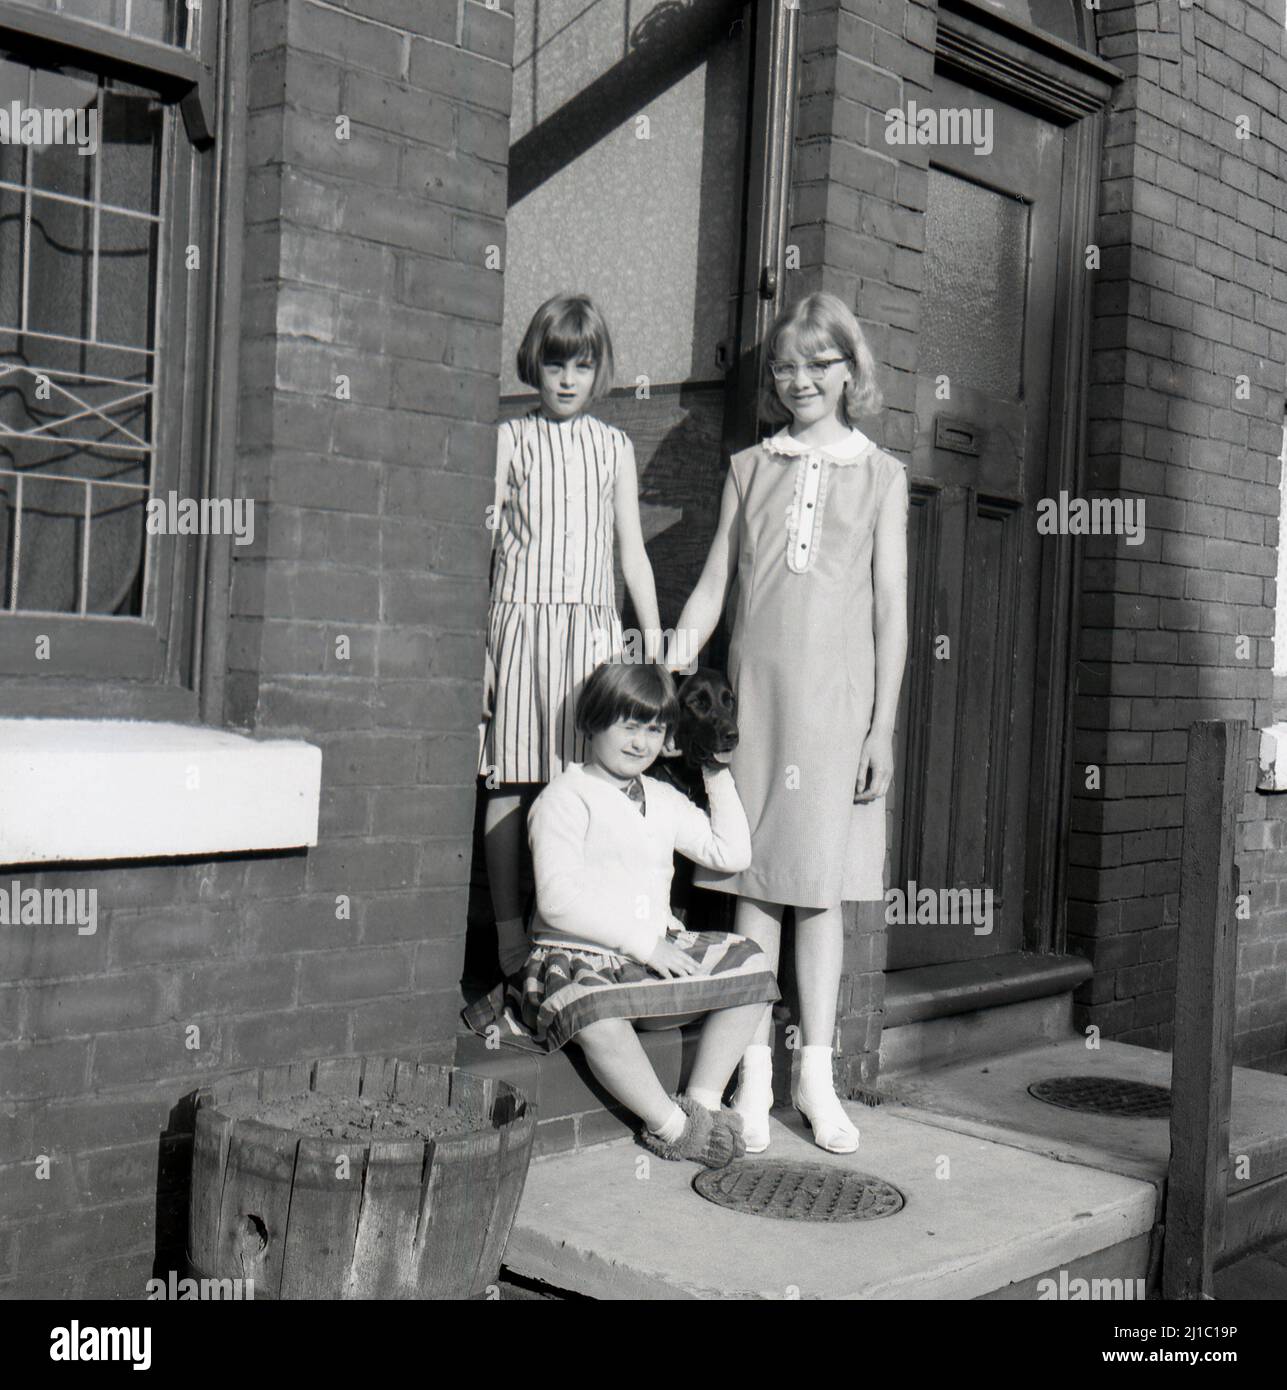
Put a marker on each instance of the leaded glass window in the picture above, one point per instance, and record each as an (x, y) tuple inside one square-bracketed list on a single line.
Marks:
[(79, 279), (173, 22), (107, 244)]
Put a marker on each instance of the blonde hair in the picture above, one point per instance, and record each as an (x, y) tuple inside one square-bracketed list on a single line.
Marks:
[(817, 322), (565, 328)]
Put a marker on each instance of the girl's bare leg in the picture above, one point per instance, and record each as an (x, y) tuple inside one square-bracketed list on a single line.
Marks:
[(621, 1066), (819, 948), (819, 945), (503, 840), (761, 922), (725, 1036), (505, 849)]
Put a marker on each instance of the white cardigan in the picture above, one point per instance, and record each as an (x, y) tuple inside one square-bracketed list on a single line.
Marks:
[(603, 870)]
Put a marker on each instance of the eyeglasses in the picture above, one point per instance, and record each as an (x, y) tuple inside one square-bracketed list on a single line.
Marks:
[(815, 369)]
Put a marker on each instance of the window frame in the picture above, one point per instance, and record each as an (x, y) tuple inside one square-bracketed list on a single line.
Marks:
[(144, 666)]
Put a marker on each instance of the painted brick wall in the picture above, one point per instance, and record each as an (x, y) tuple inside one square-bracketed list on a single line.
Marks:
[(364, 258), (1191, 296), (858, 221)]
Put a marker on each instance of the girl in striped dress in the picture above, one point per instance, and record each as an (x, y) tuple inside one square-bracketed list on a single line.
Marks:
[(566, 485)]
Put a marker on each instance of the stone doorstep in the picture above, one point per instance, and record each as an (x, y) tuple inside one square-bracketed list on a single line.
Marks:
[(614, 1223), (935, 991), (989, 1096), (573, 1110), (936, 1015), (983, 1099)]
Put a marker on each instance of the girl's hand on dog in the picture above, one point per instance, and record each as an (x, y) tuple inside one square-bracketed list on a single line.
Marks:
[(875, 766), (669, 961)]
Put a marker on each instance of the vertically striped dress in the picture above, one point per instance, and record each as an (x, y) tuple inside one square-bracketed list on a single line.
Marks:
[(553, 614)]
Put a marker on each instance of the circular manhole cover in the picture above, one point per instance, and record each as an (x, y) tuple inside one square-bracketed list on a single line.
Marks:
[(798, 1191), (1105, 1095)]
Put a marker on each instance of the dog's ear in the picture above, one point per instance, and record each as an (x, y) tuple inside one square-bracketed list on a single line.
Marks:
[(668, 749)]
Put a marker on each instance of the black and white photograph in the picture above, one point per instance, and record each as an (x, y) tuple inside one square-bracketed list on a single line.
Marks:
[(643, 657)]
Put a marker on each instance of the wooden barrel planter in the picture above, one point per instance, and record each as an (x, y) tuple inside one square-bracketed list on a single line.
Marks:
[(385, 1216)]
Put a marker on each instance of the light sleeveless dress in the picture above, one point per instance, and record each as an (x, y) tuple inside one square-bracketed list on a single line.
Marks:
[(553, 614), (803, 660)]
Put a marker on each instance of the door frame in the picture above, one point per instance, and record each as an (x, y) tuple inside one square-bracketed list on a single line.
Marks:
[(770, 136), (1070, 87)]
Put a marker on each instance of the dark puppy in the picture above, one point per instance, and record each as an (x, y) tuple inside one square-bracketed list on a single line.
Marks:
[(705, 736)]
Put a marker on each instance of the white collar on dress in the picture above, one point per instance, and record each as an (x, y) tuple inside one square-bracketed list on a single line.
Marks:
[(849, 450)]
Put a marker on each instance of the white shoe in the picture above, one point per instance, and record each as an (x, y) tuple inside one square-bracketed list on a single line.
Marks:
[(814, 1096), (753, 1098)]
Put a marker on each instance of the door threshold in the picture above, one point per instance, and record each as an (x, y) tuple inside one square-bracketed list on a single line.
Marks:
[(936, 1015), (937, 991)]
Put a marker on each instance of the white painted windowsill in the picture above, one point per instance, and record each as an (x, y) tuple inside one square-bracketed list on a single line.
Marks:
[(87, 789), (1273, 759)]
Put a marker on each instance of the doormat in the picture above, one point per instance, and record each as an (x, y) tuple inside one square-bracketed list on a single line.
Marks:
[(798, 1191), (1105, 1095)]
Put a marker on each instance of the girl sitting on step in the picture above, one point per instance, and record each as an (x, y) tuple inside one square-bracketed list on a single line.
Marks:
[(606, 950)]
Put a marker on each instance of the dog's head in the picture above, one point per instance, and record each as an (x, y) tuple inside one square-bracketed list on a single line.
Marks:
[(706, 733)]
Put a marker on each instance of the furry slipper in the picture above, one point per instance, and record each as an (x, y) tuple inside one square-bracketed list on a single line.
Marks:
[(708, 1138), (733, 1119)]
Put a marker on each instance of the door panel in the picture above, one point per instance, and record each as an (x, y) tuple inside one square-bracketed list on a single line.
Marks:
[(979, 461)]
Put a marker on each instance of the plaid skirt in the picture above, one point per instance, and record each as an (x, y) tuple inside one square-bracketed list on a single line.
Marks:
[(564, 988)]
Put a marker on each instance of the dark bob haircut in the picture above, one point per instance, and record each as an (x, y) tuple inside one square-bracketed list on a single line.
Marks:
[(565, 329), (623, 690)]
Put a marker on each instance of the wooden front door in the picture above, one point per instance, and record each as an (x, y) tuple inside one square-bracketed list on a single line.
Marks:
[(981, 462)]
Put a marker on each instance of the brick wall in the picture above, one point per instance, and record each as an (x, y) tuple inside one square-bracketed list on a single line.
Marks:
[(364, 258), (1191, 296)]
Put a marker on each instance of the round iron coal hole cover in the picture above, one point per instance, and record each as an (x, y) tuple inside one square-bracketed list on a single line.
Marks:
[(1105, 1095), (798, 1191)]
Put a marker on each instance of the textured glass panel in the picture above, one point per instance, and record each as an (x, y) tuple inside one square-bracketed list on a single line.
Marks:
[(976, 265), (109, 12), (1057, 17), (61, 267), (61, 167), (15, 85), (117, 543), (10, 255), (625, 178), (127, 259), (158, 19), (78, 293), (165, 21), (47, 575), (131, 145)]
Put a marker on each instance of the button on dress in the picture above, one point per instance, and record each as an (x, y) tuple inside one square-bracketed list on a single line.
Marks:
[(803, 663)]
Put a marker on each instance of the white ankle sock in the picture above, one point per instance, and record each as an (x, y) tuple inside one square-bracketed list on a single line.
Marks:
[(710, 1099), (756, 1075), (815, 1069), (670, 1131)]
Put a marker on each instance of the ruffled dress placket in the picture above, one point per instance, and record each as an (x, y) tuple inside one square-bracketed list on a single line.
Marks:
[(804, 519)]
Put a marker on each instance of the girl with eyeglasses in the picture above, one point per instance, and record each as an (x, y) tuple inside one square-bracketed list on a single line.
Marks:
[(813, 523)]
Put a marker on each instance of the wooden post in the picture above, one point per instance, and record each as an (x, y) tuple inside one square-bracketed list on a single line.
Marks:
[(1206, 972)]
